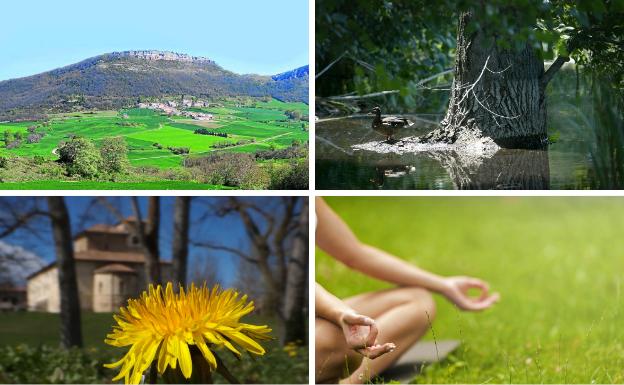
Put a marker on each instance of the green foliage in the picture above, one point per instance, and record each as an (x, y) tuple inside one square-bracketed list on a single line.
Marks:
[(229, 169), (8, 137), (386, 45), (114, 153), (293, 175), (80, 156), (390, 45), (46, 365)]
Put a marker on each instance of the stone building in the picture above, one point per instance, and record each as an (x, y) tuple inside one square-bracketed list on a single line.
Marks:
[(109, 269), (12, 297)]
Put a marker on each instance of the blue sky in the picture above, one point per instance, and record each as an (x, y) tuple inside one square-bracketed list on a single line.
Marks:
[(244, 36), (227, 231)]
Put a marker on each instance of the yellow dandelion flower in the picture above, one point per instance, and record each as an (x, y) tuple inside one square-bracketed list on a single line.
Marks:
[(161, 326)]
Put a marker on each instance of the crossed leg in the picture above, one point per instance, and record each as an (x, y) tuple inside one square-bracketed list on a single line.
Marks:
[(402, 315)]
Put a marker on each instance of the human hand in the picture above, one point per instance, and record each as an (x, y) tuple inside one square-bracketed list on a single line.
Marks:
[(456, 290), (361, 335)]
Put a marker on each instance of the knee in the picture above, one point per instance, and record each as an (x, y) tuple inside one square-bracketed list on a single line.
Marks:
[(334, 359), (422, 301)]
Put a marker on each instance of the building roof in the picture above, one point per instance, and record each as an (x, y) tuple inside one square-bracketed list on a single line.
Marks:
[(101, 256), (115, 268), (112, 256), (10, 288), (118, 228)]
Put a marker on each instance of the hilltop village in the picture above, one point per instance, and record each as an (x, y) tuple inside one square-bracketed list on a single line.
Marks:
[(171, 109)]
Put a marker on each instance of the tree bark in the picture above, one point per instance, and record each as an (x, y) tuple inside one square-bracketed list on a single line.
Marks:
[(181, 217), (71, 331), (148, 238), (497, 93), (152, 227), (296, 283)]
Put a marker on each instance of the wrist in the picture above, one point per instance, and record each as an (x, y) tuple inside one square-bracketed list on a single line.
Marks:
[(443, 286), (340, 314)]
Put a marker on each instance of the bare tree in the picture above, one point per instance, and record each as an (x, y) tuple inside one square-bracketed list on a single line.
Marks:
[(296, 282), (247, 282), (71, 333), (21, 216), (204, 271), (270, 232), (146, 232), (148, 236), (181, 215)]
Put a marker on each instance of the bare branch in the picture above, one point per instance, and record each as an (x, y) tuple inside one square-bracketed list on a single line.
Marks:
[(552, 70), (228, 249)]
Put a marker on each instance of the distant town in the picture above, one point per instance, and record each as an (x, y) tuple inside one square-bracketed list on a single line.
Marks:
[(171, 108)]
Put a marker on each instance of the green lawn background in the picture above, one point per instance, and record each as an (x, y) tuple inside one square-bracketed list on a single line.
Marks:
[(557, 262)]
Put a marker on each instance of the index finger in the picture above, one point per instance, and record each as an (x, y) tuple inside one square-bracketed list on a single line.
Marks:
[(372, 335)]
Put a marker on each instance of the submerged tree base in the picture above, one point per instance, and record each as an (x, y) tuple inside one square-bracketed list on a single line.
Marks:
[(475, 162), (465, 136)]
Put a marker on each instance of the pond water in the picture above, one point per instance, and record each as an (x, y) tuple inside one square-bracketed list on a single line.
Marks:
[(566, 164)]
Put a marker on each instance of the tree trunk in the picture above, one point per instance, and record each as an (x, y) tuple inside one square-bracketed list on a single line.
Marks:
[(296, 283), (181, 216), (71, 331), (148, 238), (497, 93)]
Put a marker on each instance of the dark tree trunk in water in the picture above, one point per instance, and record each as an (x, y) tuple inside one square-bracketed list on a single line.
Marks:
[(503, 100), (71, 331), (180, 239)]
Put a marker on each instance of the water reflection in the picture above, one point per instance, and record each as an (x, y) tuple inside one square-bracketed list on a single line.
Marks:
[(339, 165), (505, 170)]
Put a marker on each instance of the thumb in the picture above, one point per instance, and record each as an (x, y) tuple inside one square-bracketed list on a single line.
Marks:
[(357, 319)]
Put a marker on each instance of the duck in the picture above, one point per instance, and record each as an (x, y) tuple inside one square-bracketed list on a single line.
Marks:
[(389, 125)]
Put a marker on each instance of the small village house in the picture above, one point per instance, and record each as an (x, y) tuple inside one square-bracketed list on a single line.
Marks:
[(109, 269), (12, 297)]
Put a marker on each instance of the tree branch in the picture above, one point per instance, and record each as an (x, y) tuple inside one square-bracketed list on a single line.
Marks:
[(228, 249), (552, 70)]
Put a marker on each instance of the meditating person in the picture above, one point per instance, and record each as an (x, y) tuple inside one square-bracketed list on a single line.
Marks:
[(359, 337)]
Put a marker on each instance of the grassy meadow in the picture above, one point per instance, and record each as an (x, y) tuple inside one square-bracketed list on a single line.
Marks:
[(557, 262), (29, 340), (149, 134)]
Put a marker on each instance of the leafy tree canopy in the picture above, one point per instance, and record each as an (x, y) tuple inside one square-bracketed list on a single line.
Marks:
[(374, 45)]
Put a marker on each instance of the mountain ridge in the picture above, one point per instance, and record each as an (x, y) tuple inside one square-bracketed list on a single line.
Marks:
[(117, 79)]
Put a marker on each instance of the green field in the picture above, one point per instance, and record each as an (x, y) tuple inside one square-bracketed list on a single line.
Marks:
[(97, 185), (150, 134), (144, 127), (22, 333), (557, 263)]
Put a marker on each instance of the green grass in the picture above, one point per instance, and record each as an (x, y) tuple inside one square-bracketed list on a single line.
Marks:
[(557, 263), (252, 129), (170, 136), (97, 185), (259, 114), (33, 328), (276, 104)]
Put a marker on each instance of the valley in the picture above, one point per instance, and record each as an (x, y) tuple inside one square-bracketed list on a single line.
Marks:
[(231, 142)]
